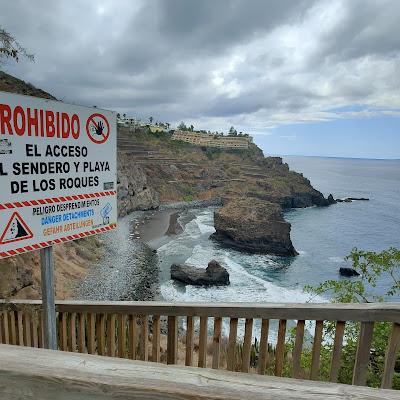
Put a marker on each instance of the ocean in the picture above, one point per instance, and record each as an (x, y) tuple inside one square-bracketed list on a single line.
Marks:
[(323, 236)]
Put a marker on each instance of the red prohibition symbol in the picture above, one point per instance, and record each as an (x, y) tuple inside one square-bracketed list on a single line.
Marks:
[(98, 128)]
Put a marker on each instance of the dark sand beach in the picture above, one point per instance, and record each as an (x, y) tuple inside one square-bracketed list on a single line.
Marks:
[(154, 228)]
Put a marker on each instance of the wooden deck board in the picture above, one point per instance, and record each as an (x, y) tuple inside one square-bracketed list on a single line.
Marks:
[(31, 373)]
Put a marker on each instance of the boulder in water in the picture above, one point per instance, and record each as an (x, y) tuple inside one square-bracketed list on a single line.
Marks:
[(349, 272), (214, 274), (351, 199), (174, 227), (331, 199), (358, 198)]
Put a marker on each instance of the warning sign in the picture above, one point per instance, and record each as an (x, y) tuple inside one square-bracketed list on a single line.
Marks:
[(57, 172), (16, 229)]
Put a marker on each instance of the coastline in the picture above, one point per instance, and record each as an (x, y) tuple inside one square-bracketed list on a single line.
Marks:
[(153, 226), (155, 229), (258, 278), (129, 269)]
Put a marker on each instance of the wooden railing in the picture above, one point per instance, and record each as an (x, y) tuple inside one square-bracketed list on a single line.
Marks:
[(28, 373), (136, 330)]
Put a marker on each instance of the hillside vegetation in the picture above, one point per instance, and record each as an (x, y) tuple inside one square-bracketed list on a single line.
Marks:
[(174, 171)]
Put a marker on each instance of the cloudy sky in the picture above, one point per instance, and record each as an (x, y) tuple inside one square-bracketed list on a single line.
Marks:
[(304, 77)]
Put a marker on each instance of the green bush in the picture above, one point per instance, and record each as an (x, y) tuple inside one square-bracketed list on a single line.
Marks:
[(213, 153), (188, 198), (371, 266)]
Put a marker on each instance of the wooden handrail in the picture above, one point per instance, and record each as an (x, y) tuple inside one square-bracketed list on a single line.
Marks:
[(130, 329), (358, 312), (27, 373)]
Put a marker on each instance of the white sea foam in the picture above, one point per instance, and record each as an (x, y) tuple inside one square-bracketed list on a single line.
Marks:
[(245, 285)]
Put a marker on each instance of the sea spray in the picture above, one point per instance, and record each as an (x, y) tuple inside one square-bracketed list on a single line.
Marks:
[(252, 285)]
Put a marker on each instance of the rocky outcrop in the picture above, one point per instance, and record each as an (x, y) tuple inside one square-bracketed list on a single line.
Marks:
[(134, 192), (331, 199), (174, 227), (351, 199), (253, 225), (214, 274), (289, 189), (349, 272), (358, 198)]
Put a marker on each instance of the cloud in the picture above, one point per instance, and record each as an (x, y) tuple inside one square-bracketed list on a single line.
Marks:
[(255, 65)]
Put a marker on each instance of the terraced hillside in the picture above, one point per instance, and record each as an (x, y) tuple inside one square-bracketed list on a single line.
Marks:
[(178, 171)]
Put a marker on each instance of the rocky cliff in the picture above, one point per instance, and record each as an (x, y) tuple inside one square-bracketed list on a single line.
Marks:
[(254, 189), (288, 188), (134, 190), (173, 171), (253, 225)]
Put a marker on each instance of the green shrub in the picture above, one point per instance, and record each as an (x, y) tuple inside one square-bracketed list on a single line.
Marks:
[(371, 266), (213, 153)]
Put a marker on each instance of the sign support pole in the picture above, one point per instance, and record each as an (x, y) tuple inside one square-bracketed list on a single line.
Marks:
[(48, 302)]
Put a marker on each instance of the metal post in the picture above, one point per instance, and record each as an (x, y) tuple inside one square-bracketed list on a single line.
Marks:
[(49, 309)]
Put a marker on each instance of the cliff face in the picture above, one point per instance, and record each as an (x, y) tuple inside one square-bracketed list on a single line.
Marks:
[(177, 171), (289, 189), (253, 225), (254, 189), (134, 191)]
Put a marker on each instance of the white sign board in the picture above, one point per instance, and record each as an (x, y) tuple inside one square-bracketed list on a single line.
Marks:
[(58, 172)]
